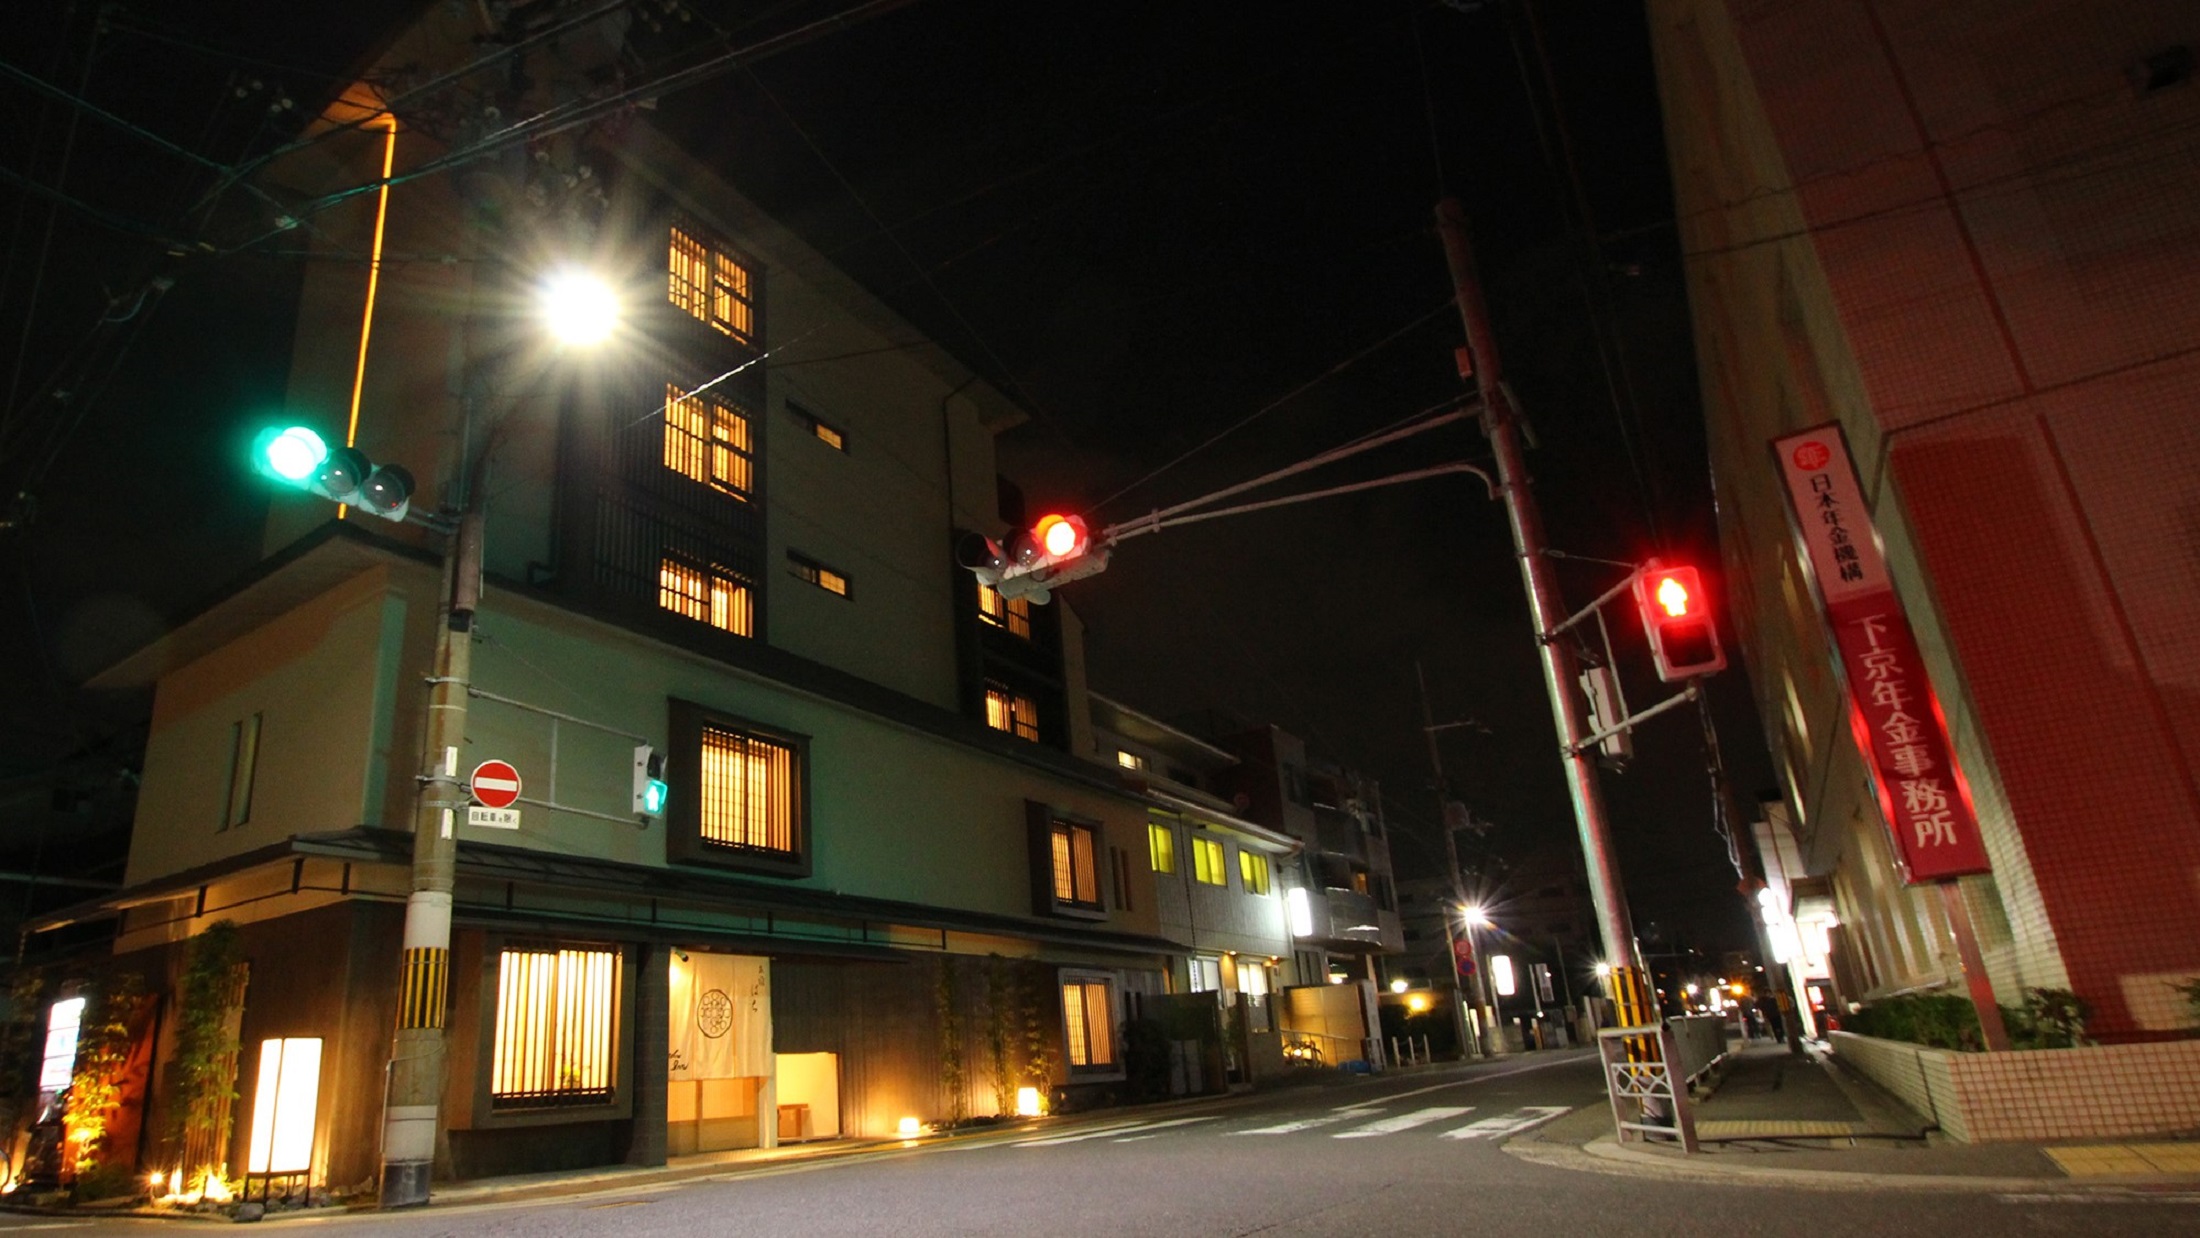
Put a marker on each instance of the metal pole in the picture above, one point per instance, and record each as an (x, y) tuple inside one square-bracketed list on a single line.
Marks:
[(1974, 967), (1546, 611)]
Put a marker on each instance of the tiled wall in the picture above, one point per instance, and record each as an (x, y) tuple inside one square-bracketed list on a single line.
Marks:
[(2105, 1091)]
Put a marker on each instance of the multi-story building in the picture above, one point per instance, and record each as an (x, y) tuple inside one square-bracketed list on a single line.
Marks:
[(725, 536), (1219, 881), (1958, 233)]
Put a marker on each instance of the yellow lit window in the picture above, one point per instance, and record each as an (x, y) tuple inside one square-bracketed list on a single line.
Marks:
[(746, 792), (1076, 874), (1012, 614), (817, 573), (711, 597), (556, 1027), (1088, 1023), (1161, 844), (1207, 862), (1129, 760), (1253, 867), (709, 284), (709, 442), (1012, 712)]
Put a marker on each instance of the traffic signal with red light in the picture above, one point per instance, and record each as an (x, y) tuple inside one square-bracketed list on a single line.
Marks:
[(1055, 550), (1676, 617)]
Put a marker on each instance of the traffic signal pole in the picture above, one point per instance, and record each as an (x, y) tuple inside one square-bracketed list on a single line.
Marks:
[(1546, 610), (411, 1121)]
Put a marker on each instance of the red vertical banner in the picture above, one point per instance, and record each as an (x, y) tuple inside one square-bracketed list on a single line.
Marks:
[(1893, 710)]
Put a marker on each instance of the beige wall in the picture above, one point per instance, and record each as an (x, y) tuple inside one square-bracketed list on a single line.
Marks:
[(323, 677)]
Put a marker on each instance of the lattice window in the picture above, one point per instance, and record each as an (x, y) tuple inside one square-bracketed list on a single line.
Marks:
[(746, 788), (714, 596), (708, 441), (556, 1032), (1012, 712), (1012, 615), (712, 285)]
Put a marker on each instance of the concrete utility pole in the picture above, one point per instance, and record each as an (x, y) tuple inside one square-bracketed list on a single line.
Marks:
[(410, 1120), (1480, 362), (1458, 887)]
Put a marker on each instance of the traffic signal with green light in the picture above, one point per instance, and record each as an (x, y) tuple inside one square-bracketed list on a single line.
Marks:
[(1676, 616), (298, 457), (650, 788)]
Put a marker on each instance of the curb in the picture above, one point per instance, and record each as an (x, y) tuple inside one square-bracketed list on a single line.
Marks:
[(1604, 1155)]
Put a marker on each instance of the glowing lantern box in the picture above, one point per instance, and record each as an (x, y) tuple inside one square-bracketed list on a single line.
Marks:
[(284, 1101)]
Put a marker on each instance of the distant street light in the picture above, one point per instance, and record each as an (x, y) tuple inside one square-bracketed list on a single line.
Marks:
[(578, 308)]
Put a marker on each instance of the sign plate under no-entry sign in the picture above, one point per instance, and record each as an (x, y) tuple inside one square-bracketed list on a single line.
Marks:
[(492, 818)]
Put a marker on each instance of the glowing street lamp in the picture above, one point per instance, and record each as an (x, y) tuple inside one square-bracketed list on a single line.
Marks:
[(578, 308)]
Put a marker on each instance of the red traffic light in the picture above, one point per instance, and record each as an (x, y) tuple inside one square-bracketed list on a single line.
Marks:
[(1684, 640), (1060, 537)]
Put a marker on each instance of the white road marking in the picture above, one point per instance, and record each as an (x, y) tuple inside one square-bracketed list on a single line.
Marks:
[(1404, 1122), (1306, 1124), (1113, 1132), (1508, 1123)]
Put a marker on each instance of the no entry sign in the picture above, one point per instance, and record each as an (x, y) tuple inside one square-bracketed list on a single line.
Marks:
[(496, 784)]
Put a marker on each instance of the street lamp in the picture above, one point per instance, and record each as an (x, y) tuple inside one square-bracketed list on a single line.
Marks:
[(1472, 917), (577, 307)]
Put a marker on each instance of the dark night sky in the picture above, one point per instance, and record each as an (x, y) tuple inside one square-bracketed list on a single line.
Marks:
[(1148, 222)]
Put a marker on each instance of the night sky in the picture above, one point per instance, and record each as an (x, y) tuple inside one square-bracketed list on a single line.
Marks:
[(1151, 223)]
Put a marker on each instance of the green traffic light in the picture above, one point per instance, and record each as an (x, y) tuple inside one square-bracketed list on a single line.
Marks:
[(292, 454), (654, 795)]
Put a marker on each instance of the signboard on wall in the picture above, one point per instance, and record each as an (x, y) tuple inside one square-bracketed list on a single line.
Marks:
[(1893, 710)]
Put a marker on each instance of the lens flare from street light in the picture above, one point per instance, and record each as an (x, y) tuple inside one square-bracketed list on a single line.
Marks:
[(579, 308), (1475, 917)]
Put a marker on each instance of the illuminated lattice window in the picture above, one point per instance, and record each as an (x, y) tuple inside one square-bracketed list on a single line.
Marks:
[(1161, 846), (1088, 1023), (1012, 615), (1012, 712), (556, 1027), (1076, 871), (746, 789), (708, 441), (714, 597), (711, 285)]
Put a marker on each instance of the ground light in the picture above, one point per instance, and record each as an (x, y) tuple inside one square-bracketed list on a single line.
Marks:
[(910, 1128), (1028, 1103)]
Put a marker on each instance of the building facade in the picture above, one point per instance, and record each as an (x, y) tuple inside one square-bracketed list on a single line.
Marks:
[(724, 538), (1955, 232)]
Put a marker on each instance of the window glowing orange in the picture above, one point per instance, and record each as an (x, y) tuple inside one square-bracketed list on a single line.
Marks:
[(1673, 596)]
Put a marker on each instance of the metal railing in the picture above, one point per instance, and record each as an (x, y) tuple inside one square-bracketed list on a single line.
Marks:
[(1649, 1099)]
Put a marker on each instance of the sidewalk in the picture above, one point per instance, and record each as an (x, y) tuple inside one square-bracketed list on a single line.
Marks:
[(1776, 1119)]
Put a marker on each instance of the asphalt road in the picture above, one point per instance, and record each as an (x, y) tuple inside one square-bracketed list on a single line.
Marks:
[(1406, 1155)]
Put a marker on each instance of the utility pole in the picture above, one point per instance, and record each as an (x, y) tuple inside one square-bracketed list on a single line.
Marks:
[(410, 1118), (1458, 889), (1500, 424)]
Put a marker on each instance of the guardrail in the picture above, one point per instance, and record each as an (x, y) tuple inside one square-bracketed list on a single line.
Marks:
[(1700, 1041)]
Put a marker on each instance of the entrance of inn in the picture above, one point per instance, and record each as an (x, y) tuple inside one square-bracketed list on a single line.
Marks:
[(720, 1091)]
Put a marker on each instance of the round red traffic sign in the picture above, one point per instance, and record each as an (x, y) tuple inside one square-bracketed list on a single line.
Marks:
[(496, 784)]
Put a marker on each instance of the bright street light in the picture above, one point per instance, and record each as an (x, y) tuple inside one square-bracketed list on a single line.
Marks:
[(578, 307), (1475, 917)]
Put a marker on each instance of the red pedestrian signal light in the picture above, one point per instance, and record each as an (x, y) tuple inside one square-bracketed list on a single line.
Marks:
[(1676, 617)]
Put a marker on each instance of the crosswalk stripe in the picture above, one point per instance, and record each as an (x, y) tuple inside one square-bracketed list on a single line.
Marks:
[(1116, 1132), (1507, 1123), (1307, 1124), (1404, 1122)]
